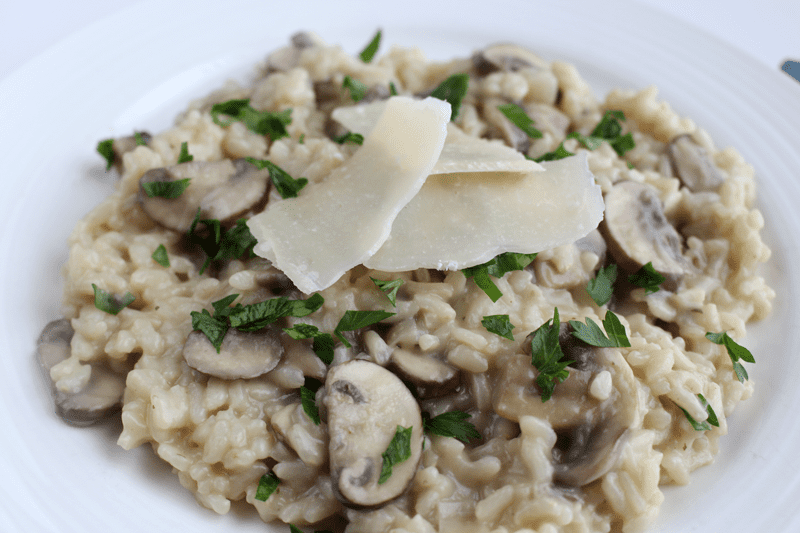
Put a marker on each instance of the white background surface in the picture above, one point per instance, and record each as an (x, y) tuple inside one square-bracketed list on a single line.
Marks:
[(768, 30)]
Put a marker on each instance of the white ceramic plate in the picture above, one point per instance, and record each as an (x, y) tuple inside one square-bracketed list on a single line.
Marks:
[(138, 68)]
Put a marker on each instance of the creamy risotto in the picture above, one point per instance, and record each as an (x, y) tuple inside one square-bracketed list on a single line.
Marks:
[(374, 294)]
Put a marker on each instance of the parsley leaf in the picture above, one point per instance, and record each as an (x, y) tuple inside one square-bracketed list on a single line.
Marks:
[(323, 342), (105, 301), (287, 186), (258, 315), (399, 450), (357, 89), (555, 155), (647, 278), (390, 287), (735, 352), (160, 256), (213, 327), (497, 267), (451, 424), (137, 136), (350, 137), (368, 52), (261, 122), (307, 398), (608, 129), (499, 324), (591, 334), (546, 357), (185, 156), (218, 244), (106, 149), (453, 90), (294, 529), (166, 189), (392, 89), (706, 424), (266, 486), (353, 320), (601, 288), (520, 119)]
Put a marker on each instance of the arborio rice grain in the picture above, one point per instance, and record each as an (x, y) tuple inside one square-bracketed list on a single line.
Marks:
[(221, 436)]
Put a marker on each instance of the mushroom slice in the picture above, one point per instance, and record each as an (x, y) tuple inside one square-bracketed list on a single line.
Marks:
[(101, 396), (223, 190), (693, 165), (505, 56), (366, 403), (503, 128), (638, 232), (429, 374), (242, 355), (123, 145)]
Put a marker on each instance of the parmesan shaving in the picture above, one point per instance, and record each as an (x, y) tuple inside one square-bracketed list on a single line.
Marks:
[(340, 222), (465, 219)]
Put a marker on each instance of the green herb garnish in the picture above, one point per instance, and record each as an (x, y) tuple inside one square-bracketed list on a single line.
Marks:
[(451, 424), (453, 90), (392, 89), (499, 324), (261, 122), (353, 320), (555, 155), (647, 278), (601, 288), (608, 129), (497, 267), (520, 119), (213, 327), (389, 287), (350, 137), (266, 486), (706, 424), (220, 244), (166, 189), (323, 342), (308, 399), (546, 356), (399, 450), (160, 256), (591, 334), (258, 315), (185, 156), (369, 51), (106, 149), (735, 351), (137, 136), (357, 89), (287, 186), (105, 301)]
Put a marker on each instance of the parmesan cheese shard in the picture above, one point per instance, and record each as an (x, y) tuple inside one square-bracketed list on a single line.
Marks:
[(340, 222), (461, 220), (461, 152)]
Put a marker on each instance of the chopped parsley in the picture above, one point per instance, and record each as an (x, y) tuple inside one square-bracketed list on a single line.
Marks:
[(166, 189), (302, 139), (350, 137), (647, 278), (266, 123), (357, 89), (546, 356), (137, 136), (307, 398), (353, 320), (399, 450), (451, 424), (601, 287), (369, 51), (608, 129), (185, 156), (736, 352), (287, 186), (213, 327), (555, 155), (591, 334), (323, 342), (706, 424), (520, 119), (105, 301), (219, 244), (499, 324), (497, 267), (392, 89), (266, 486), (389, 287), (160, 256), (106, 149), (453, 90)]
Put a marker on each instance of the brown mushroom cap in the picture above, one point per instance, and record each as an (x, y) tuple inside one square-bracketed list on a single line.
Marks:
[(123, 145), (505, 56), (693, 165), (242, 355)]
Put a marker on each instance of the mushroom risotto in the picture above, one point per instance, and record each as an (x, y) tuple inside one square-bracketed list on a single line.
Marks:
[(373, 294)]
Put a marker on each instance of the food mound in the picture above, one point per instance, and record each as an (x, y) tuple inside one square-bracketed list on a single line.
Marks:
[(377, 293)]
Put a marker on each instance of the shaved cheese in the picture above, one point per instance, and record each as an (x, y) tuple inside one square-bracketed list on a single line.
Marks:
[(337, 224), (462, 220), (461, 152)]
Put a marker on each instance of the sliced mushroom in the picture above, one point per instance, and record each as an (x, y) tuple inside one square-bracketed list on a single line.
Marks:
[(548, 118), (693, 165), (242, 355), (430, 375), (366, 404), (101, 397), (501, 127), (223, 190), (505, 56), (638, 232), (288, 57), (123, 145)]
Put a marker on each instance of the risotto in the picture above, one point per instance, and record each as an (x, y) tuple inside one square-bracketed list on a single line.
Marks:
[(374, 294)]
